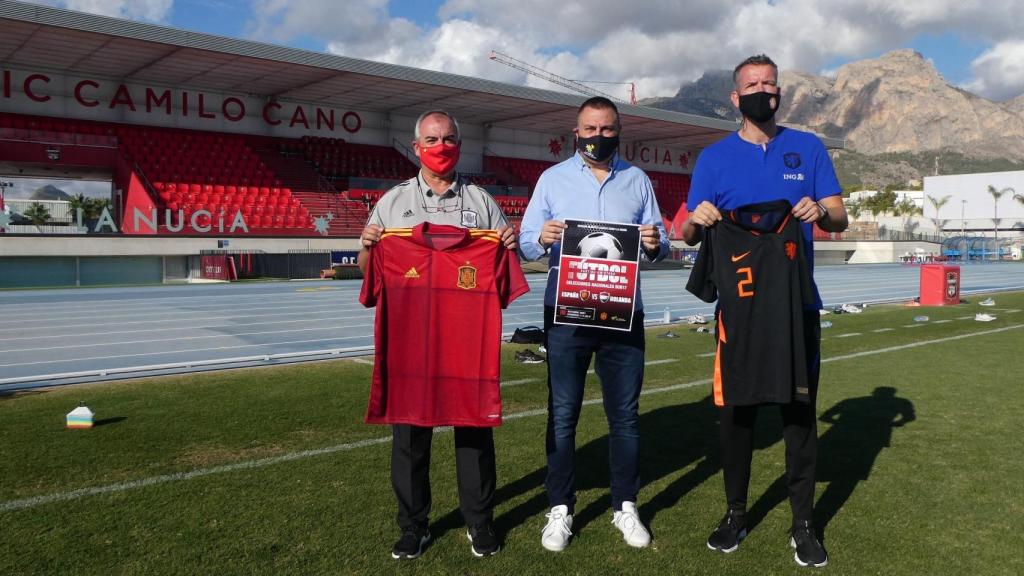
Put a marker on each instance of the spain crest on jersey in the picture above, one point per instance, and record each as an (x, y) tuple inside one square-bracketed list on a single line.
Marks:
[(467, 277)]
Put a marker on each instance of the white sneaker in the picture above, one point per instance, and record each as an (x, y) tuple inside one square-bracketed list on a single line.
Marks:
[(851, 309), (628, 522), (984, 317), (987, 302), (696, 319), (556, 533)]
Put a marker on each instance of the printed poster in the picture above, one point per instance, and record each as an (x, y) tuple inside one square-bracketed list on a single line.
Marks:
[(597, 274)]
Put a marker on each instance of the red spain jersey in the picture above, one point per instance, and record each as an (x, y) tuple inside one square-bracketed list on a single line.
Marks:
[(439, 291)]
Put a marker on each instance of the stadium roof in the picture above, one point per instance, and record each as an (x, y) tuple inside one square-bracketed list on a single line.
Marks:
[(45, 38)]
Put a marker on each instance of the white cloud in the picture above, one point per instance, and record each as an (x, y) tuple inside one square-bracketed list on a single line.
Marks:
[(657, 43), (152, 10), (999, 72)]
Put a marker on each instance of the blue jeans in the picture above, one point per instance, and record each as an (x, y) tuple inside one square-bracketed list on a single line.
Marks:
[(620, 366)]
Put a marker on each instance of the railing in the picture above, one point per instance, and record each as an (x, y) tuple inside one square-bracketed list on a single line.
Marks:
[(59, 138), (405, 151)]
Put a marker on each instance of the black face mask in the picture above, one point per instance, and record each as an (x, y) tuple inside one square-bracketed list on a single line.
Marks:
[(597, 148), (757, 106)]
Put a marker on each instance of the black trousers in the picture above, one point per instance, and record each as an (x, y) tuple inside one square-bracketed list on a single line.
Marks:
[(799, 432), (474, 468)]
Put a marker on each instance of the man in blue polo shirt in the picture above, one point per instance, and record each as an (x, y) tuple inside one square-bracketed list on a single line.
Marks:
[(759, 163), (595, 184)]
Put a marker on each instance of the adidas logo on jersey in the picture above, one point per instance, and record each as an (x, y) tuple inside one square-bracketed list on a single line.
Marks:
[(407, 214), (412, 273)]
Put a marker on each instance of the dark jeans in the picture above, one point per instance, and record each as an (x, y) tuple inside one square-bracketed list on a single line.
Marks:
[(620, 366), (799, 432), (474, 468)]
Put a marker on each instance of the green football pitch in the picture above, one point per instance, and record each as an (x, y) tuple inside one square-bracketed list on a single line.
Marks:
[(271, 471)]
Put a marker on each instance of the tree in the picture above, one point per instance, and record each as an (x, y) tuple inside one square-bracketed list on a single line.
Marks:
[(996, 195), (37, 213), (907, 208), (938, 203), (854, 208)]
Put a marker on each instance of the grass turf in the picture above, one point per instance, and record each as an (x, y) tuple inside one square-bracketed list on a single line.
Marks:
[(917, 479)]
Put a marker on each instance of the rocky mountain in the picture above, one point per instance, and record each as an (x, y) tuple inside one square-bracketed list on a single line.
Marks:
[(897, 104), (1016, 105), (49, 192)]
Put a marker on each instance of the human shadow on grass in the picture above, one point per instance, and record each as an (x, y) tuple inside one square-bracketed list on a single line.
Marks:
[(861, 428), (671, 438)]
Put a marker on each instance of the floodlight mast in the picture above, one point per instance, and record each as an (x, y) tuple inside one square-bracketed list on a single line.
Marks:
[(574, 85)]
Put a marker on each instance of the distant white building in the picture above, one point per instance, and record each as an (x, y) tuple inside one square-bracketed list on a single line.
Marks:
[(970, 206), (915, 196)]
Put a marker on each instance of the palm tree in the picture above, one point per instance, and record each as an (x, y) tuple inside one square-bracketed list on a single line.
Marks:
[(854, 208), (996, 195), (37, 213), (906, 207), (938, 203)]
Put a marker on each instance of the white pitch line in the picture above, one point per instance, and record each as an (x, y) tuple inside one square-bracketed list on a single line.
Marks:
[(883, 330), (362, 361), (913, 325), (518, 382), (706, 355), (941, 321), (34, 501), (848, 335)]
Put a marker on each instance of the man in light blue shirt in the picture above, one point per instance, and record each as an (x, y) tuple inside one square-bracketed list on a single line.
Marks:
[(595, 184)]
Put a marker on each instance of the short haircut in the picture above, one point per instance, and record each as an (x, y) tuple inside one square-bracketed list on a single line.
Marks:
[(599, 103), (758, 60), (455, 123)]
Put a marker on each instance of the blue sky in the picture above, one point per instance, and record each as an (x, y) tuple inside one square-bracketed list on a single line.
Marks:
[(656, 43)]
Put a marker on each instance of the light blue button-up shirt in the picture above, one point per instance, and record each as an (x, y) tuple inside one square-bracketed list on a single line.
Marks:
[(569, 190)]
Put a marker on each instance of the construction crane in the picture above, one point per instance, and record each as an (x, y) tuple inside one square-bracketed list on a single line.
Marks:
[(574, 85)]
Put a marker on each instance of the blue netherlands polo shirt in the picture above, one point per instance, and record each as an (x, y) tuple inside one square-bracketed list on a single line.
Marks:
[(733, 172)]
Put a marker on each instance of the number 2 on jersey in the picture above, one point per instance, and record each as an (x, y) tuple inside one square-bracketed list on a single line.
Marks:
[(745, 283)]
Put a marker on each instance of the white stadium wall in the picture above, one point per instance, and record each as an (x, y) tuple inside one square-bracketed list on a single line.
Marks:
[(979, 208)]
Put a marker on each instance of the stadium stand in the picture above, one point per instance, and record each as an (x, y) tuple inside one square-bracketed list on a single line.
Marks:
[(516, 170), (671, 190), (278, 184)]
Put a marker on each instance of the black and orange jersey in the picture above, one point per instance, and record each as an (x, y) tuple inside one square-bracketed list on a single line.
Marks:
[(754, 263)]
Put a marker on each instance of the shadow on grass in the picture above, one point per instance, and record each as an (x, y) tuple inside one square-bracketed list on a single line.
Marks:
[(14, 394), (672, 438), (861, 428), (686, 435), (108, 421)]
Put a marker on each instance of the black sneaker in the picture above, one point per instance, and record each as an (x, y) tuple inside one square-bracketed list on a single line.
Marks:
[(483, 540), (529, 357), (809, 551), (410, 544), (730, 532)]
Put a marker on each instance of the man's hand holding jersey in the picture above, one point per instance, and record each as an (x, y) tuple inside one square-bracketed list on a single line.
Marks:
[(508, 237), (371, 235)]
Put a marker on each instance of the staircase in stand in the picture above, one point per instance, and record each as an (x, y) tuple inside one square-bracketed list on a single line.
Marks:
[(316, 193)]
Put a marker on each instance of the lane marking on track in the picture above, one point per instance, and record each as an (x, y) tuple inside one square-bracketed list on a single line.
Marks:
[(34, 501)]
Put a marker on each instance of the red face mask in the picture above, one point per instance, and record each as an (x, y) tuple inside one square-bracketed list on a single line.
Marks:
[(440, 158)]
